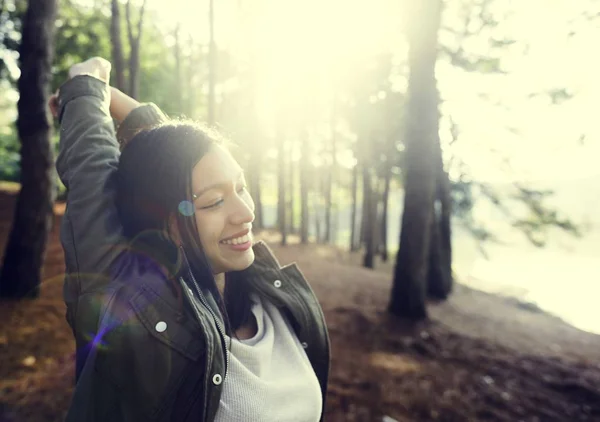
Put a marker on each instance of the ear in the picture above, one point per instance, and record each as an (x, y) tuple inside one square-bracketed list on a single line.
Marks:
[(174, 230)]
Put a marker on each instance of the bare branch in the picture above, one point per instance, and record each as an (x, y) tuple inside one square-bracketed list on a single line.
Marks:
[(128, 18)]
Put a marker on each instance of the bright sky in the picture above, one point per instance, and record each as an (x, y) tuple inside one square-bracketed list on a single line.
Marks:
[(545, 146), (291, 39), (542, 143)]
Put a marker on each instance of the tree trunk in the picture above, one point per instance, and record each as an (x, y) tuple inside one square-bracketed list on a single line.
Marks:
[(178, 70), (21, 273), (333, 175), (353, 243), (212, 63), (439, 283), (328, 188), (363, 211), (304, 191), (254, 182), (118, 60), (134, 45), (193, 63), (281, 205), (422, 122), (369, 218), (318, 230), (384, 217), (292, 214)]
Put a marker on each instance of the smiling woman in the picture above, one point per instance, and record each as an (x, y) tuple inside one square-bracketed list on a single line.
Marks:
[(196, 322)]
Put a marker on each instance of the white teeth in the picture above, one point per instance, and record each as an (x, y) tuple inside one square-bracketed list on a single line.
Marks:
[(237, 240)]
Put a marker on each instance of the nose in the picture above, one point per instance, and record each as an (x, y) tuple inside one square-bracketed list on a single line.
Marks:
[(243, 210)]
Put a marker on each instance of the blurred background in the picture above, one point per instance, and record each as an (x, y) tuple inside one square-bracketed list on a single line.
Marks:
[(341, 112)]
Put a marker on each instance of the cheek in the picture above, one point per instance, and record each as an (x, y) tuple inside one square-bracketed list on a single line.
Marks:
[(208, 230)]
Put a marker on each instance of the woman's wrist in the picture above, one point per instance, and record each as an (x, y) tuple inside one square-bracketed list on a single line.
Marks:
[(121, 104)]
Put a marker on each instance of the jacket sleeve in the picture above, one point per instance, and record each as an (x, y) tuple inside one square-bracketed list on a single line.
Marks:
[(87, 161)]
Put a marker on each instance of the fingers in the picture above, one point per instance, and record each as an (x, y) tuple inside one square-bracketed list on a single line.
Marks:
[(96, 66)]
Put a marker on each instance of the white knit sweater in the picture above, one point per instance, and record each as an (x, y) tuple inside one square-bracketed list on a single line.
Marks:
[(270, 378)]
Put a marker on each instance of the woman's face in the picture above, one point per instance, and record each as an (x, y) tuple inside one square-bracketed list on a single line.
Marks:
[(224, 211)]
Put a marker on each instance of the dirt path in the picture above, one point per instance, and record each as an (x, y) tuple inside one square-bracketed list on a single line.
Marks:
[(469, 312)]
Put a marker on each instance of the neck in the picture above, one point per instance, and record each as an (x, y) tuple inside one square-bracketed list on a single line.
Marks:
[(220, 280)]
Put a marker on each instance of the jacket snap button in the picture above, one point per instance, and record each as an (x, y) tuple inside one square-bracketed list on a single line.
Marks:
[(217, 379), (160, 326), (277, 283), (304, 344)]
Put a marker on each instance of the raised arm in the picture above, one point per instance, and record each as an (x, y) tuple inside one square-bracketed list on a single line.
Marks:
[(88, 157)]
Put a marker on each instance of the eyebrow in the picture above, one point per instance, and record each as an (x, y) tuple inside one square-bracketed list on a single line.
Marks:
[(217, 185)]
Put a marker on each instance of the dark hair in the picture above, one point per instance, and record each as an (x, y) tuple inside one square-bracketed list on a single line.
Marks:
[(154, 183)]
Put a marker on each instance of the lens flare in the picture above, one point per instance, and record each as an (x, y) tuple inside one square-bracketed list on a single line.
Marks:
[(186, 208)]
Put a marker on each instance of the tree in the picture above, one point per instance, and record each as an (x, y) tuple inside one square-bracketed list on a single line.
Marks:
[(304, 174), (134, 46), (369, 215), (281, 204), (439, 280), (421, 139), (118, 62), (353, 235), (291, 188), (23, 259), (212, 63), (384, 215)]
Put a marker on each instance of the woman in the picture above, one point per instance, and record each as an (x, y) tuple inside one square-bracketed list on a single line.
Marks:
[(177, 315)]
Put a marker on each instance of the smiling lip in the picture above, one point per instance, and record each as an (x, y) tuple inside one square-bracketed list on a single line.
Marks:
[(240, 247), (240, 234)]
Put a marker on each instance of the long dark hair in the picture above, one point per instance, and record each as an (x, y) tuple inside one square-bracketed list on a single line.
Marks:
[(153, 184)]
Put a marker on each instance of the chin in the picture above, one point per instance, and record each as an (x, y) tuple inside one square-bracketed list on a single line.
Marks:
[(242, 262)]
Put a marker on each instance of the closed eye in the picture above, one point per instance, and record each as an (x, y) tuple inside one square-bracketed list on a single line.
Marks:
[(213, 205), (243, 189)]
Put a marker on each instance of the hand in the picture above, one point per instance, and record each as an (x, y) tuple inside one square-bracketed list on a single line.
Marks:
[(96, 67)]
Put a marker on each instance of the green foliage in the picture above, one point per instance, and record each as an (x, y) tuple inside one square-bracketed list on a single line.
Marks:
[(81, 33), (11, 14), (540, 217), (9, 156)]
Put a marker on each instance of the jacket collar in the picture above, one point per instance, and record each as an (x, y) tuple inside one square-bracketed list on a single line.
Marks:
[(284, 287)]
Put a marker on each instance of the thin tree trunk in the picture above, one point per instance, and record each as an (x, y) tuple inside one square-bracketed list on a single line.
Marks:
[(118, 60), (422, 123), (134, 44), (178, 70), (384, 216), (193, 63), (369, 218), (332, 206), (21, 273), (212, 63), (318, 229), (291, 187), (304, 222), (254, 182), (328, 182), (281, 205), (353, 246), (363, 211)]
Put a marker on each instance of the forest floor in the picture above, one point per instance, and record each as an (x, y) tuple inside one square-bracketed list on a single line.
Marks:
[(480, 357)]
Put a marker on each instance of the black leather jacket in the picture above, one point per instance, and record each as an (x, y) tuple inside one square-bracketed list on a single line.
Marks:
[(137, 358)]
